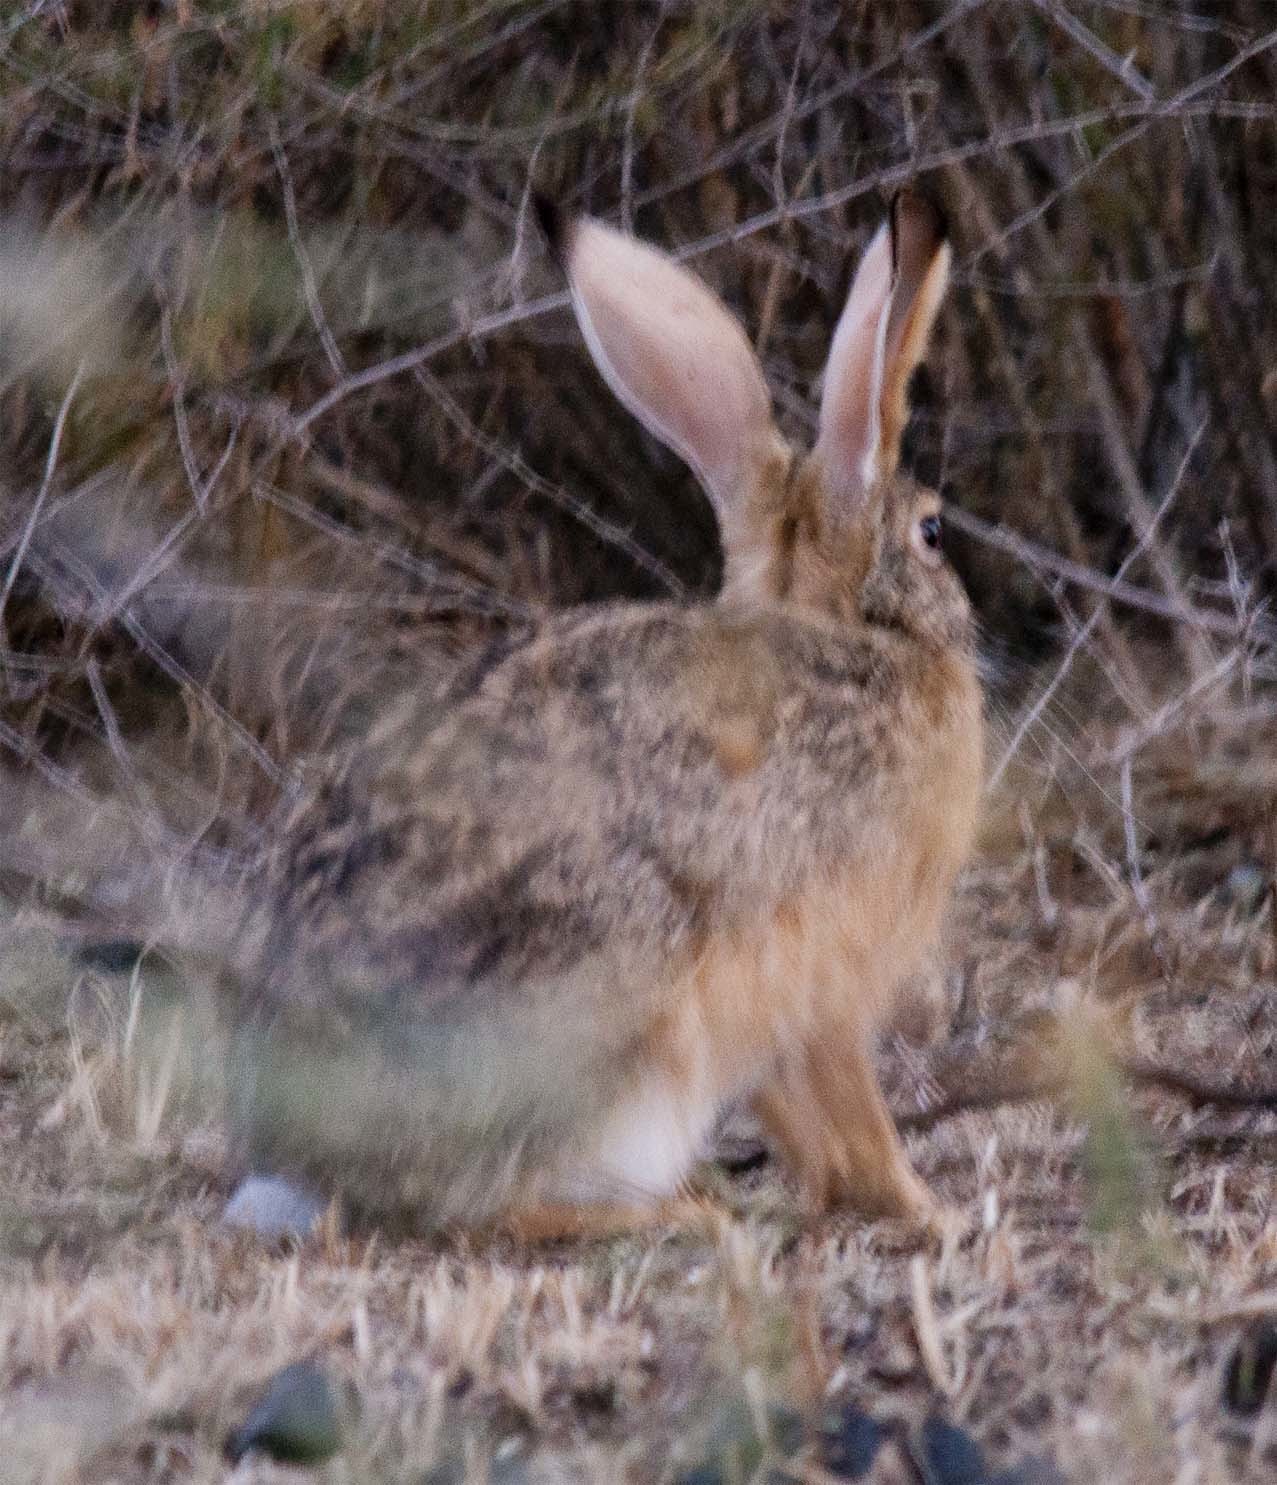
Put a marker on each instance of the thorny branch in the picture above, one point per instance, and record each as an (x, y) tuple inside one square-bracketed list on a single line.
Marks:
[(1200, 1093)]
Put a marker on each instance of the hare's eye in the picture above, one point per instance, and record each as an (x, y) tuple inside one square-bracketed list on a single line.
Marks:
[(929, 530)]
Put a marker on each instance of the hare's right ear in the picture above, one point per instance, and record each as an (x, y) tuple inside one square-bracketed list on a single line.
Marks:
[(880, 339), (677, 359)]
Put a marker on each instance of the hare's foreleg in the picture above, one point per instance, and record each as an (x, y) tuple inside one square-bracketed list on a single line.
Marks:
[(827, 1114)]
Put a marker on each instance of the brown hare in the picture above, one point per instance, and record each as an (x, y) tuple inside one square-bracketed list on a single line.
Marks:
[(522, 949)]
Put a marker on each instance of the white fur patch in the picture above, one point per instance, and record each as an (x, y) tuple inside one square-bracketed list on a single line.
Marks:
[(646, 1146)]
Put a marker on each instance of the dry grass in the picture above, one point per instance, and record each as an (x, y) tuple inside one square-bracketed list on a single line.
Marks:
[(292, 418)]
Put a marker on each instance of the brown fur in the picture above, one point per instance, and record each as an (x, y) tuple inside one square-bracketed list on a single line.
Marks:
[(660, 859)]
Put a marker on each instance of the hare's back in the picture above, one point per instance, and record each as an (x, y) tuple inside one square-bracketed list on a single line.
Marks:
[(602, 794)]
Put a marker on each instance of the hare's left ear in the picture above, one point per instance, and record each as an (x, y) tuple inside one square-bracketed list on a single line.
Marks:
[(880, 339), (678, 360)]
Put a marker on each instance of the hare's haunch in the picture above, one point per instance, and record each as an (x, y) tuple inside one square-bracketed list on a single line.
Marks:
[(523, 949)]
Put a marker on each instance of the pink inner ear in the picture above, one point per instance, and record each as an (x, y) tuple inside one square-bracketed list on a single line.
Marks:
[(879, 341), (674, 356), (849, 410)]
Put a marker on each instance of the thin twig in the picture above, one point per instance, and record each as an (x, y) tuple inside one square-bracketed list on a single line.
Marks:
[(1200, 1093), (1122, 68), (33, 519), (978, 1100), (1045, 559), (607, 531), (150, 646), (177, 383), (1138, 886), (310, 287), (886, 178), (1139, 513), (1162, 717), (631, 111), (889, 177), (421, 355), (744, 145), (476, 599), (1034, 713), (926, 1327), (1153, 112)]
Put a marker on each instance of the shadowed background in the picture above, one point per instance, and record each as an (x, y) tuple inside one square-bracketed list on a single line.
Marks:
[(328, 408), (293, 416)]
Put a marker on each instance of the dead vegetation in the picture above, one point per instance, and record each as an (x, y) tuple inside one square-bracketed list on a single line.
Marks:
[(292, 418)]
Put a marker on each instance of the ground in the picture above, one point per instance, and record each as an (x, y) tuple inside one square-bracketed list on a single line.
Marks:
[(1110, 1246)]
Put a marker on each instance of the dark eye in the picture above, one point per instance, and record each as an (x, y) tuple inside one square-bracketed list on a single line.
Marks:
[(930, 531)]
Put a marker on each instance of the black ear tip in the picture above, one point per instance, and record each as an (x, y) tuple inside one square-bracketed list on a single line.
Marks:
[(552, 222), (940, 216), (910, 208)]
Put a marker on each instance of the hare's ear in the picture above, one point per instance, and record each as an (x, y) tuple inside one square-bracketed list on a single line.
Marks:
[(676, 358), (880, 339)]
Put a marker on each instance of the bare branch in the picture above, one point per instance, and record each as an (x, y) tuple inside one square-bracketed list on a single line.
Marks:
[(305, 267), (1034, 712), (33, 519), (1122, 68)]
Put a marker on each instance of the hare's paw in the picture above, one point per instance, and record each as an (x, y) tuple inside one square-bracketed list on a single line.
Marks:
[(827, 1114), (935, 1225), (893, 1190), (272, 1208), (947, 1225), (552, 1222), (902, 1198)]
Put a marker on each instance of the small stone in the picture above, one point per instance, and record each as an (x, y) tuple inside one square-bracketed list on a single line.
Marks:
[(295, 1421), (111, 955), (273, 1208), (1245, 887), (508, 1469), (850, 1441), (1250, 1369), (948, 1455), (450, 1472), (786, 1428)]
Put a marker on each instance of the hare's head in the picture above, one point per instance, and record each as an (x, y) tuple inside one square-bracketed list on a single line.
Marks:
[(838, 530)]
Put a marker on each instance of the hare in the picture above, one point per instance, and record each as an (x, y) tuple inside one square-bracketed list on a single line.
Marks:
[(523, 949)]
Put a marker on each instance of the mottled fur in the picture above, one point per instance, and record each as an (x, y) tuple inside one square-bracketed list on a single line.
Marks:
[(659, 859)]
